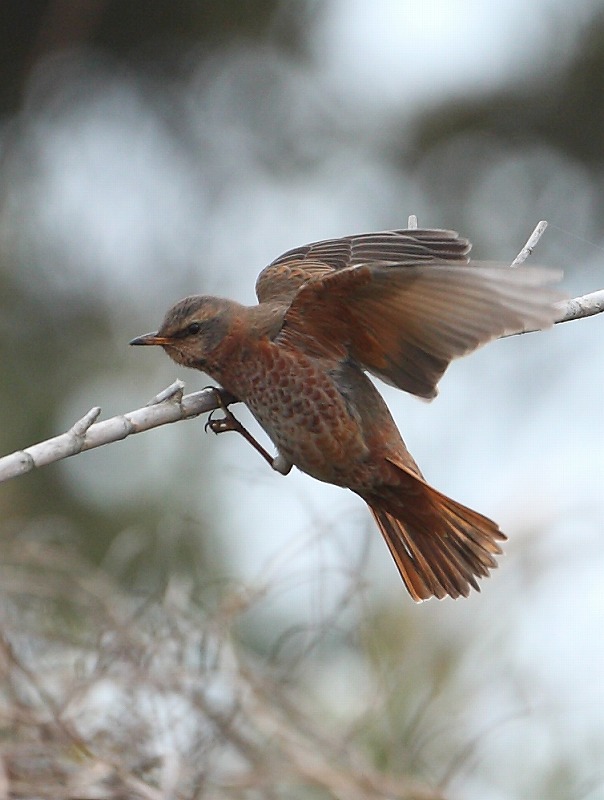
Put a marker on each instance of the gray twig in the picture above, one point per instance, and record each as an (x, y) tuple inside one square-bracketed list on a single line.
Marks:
[(169, 406), (531, 243)]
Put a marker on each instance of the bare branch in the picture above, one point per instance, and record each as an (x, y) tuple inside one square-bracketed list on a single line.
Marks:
[(530, 244), (170, 405), (172, 392), (579, 307)]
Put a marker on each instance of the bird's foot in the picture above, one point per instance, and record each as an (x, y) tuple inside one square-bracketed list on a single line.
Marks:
[(230, 423), (227, 423)]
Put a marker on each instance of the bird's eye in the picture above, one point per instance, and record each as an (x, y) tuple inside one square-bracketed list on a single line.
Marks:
[(194, 328)]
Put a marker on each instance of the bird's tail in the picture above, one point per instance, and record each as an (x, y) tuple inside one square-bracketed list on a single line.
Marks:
[(440, 547)]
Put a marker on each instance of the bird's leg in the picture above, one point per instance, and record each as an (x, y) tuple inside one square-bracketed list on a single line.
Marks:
[(230, 423)]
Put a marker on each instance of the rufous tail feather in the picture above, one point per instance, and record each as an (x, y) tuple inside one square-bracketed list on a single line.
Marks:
[(440, 547)]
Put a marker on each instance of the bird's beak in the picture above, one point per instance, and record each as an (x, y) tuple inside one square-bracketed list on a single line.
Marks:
[(151, 338)]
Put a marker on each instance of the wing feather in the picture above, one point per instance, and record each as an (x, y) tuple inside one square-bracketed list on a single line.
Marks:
[(406, 323), (287, 273)]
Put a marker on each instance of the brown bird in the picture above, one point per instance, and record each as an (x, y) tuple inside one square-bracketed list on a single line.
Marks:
[(398, 304)]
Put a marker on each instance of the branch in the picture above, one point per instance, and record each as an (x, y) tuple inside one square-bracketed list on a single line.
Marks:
[(579, 307), (531, 243), (585, 306), (168, 406), (171, 405)]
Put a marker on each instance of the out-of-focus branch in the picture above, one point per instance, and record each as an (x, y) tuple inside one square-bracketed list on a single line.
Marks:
[(187, 709), (171, 405)]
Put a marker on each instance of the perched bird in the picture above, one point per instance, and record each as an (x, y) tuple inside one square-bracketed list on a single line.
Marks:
[(398, 304)]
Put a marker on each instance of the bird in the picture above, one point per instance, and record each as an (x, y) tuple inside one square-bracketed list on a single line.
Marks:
[(399, 305)]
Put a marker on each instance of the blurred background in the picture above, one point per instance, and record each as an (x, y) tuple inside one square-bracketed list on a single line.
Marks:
[(151, 150)]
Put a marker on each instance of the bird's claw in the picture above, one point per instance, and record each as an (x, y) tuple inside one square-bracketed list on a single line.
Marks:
[(224, 424), (221, 425), (227, 423)]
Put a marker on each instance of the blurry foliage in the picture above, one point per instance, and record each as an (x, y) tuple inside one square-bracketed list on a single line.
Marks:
[(32, 29), (549, 125), (561, 107), (108, 695)]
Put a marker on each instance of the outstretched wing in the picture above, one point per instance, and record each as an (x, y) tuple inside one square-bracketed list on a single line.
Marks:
[(405, 323), (282, 279)]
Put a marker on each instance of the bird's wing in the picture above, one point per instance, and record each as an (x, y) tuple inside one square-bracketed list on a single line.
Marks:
[(282, 279), (406, 322)]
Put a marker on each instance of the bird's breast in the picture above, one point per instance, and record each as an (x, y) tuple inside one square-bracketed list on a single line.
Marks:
[(299, 403)]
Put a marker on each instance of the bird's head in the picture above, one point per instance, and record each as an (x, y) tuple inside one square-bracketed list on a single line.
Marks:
[(192, 330)]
